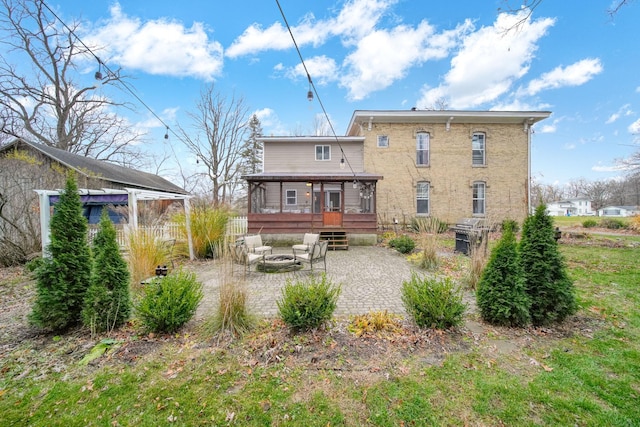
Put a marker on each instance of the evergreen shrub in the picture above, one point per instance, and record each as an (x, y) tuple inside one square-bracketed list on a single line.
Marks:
[(107, 304), (62, 278), (501, 294), (308, 304), (589, 223), (613, 223), (403, 244), (433, 302), (546, 280), (169, 302)]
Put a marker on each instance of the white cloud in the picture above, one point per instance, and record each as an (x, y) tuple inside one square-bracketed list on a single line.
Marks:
[(384, 56), (569, 146), (270, 122), (572, 75), (160, 46), (321, 68), (488, 62), (634, 127), (376, 57), (622, 111), (608, 168), (548, 128), (356, 19)]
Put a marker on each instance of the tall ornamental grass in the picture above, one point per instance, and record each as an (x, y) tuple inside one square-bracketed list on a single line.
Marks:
[(145, 251), (208, 227)]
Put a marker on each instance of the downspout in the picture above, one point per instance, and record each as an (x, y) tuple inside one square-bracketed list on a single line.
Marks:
[(528, 170)]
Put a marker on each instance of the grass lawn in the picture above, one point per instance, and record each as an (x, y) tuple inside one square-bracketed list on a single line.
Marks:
[(585, 372)]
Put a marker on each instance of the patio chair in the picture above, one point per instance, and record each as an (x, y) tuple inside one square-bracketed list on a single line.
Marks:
[(254, 245), (308, 240), (240, 254), (317, 253)]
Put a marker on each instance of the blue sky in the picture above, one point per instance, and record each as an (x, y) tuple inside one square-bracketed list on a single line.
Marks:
[(570, 58)]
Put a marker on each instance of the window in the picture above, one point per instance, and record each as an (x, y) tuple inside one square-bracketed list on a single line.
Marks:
[(422, 149), (478, 197), (422, 197), (323, 152), (383, 141), (478, 149), (291, 197)]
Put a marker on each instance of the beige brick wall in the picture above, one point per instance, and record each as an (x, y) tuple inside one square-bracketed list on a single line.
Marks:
[(450, 172)]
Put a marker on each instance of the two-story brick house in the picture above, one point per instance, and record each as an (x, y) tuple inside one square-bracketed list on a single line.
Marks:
[(449, 164)]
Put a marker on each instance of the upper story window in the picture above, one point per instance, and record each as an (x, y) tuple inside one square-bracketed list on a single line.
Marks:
[(478, 155), (479, 188), (323, 152), (291, 197), (383, 141), (422, 149), (422, 197)]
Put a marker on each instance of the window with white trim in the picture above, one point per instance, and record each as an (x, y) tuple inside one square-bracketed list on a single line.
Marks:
[(479, 189), (291, 197), (422, 197), (478, 152), (422, 149), (323, 152), (383, 141)]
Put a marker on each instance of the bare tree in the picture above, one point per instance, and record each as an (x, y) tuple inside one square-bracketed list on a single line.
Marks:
[(217, 139), (41, 96), (599, 192), (545, 193)]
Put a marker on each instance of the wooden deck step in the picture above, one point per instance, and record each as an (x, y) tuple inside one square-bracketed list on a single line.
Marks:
[(337, 239)]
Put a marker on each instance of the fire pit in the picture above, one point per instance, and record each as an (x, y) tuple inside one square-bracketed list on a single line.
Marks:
[(279, 263)]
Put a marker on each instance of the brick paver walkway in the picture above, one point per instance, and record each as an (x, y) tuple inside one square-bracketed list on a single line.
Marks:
[(371, 280)]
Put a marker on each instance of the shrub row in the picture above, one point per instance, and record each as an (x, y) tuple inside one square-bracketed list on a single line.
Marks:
[(527, 282), (609, 223)]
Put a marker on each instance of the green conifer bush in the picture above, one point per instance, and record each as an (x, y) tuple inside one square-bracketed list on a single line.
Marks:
[(547, 283), (63, 276), (501, 294), (107, 304)]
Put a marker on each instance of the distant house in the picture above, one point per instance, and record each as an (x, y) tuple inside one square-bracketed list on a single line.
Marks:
[(448, 164), (619, 211), (579, 206), (26, 167)]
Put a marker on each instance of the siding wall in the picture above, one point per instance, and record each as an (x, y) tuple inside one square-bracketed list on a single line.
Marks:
[(450, 172), (299, 157)]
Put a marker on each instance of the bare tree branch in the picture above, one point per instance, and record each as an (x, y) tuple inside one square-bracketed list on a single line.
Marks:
[(218, 132), (41, 97)]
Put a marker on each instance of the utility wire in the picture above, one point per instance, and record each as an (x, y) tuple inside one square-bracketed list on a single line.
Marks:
[(109, 72), (333, 131)]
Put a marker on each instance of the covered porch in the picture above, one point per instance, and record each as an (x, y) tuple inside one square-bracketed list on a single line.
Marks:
[(299, 203)]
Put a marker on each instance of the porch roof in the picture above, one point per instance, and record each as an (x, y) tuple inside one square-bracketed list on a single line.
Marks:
[(298, 177)]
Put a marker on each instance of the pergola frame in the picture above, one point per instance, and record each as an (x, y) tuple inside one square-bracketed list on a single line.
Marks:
[(134, 195)]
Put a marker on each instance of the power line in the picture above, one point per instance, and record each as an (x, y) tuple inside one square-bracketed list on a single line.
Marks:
[(313, 86), (110, 72)]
